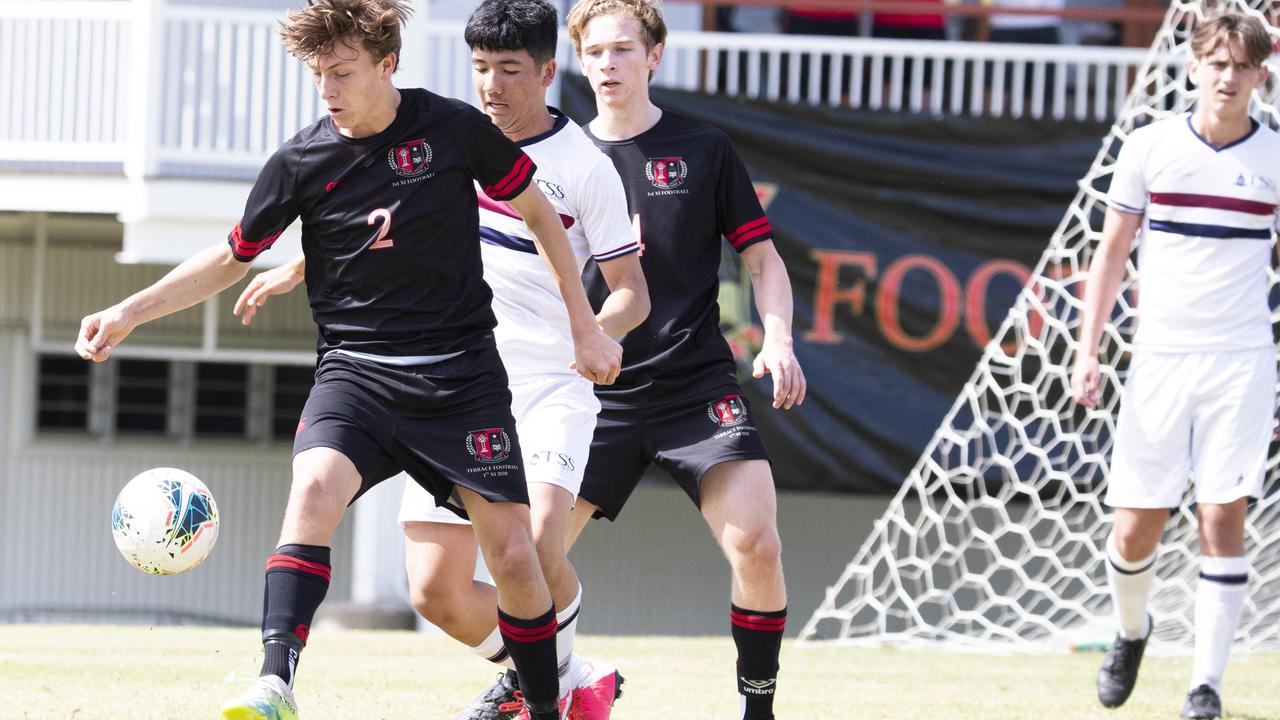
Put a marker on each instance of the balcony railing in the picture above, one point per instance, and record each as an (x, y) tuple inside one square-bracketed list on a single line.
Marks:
[(153, 89)]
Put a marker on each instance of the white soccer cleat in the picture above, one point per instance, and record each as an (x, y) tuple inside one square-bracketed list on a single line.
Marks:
[(268, 698)]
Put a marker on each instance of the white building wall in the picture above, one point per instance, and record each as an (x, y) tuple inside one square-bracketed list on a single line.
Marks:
[(656, 570), (57, 559)]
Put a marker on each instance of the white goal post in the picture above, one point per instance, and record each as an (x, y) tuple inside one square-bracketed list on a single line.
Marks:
[(998, 533)]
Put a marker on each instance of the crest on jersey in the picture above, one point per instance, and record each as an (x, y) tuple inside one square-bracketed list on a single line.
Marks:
[(728, 411), (410, 159), (666, 173), (490, 445)]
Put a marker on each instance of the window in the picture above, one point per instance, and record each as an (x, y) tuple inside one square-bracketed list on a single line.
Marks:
[(221, 391), (142, 396), (63, 401), (292, 384), (134, 397)]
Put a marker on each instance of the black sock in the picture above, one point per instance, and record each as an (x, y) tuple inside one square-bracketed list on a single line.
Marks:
[(532, 644), (758, 636), (297, 580)]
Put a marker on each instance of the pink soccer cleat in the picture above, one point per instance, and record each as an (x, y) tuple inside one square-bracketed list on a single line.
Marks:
[(594, 698)]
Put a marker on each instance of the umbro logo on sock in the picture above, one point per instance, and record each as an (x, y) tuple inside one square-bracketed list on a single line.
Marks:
[(756, 687)]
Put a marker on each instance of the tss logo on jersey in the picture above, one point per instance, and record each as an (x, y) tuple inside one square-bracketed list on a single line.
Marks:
[(490, 445), (410, 159), (728, 411), (551, 457), (666, 173)]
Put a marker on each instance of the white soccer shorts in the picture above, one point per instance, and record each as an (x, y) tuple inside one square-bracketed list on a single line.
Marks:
[(555, 419), (1205, 415)]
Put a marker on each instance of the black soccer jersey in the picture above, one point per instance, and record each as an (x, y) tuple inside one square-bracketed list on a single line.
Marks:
[(686, 189), (390, 226)]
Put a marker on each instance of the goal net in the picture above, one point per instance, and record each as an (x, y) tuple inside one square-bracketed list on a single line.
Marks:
[(998, 534)]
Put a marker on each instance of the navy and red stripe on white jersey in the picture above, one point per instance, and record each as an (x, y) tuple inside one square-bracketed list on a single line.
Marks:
[(390, 227), (688, 192), (1209, 218), (533, 331)]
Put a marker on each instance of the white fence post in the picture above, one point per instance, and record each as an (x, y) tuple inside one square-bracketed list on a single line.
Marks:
[(146, 38)]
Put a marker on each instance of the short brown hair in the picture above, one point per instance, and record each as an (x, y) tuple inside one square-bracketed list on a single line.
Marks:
[(316, 28), (1219, 29), (646, 11)]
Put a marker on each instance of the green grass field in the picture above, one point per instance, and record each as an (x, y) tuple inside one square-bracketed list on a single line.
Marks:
[(107, 672)]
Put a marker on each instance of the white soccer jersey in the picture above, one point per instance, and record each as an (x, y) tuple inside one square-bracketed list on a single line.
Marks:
[(1206, 238), (533, 326)]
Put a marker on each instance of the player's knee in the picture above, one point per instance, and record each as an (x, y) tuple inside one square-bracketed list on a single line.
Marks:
[(512, 561), (440, 606), (551, 558), (754, 547), (314, 493), (550, 549), (1134, 543)]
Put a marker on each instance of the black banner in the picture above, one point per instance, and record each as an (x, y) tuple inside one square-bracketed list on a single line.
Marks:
[(907, 238)]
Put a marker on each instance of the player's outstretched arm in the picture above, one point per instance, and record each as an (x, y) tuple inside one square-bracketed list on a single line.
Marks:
[(197, 279), (1105, 273), (276, 281), (772, 290), (596, 356), (628, 303)]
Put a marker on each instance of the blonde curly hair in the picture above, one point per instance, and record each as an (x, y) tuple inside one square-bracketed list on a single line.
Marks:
[(374, 24)]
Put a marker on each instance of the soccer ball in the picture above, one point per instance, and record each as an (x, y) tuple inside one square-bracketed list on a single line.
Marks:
[(165, 521)]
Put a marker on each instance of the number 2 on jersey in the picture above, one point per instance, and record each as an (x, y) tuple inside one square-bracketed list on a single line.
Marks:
[(381, 241)]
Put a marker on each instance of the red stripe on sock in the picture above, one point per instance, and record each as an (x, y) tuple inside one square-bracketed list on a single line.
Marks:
[(527, 635), (761, 628), (759, 622), (292, 563)]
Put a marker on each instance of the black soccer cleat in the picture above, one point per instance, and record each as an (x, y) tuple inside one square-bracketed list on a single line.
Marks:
[(1119, 671), (500, 702), (1203, 702)]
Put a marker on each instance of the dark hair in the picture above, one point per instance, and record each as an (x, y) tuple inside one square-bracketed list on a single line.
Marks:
[(316, 28), (1252, 34), (530, 25)]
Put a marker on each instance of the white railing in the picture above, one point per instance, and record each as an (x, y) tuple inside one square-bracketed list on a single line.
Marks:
[(64, 80), (164, 88), (229, 94), (1039, 81)]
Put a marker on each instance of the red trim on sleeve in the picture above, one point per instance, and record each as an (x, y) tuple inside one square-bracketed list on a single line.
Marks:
[(618, 251), (749, 231), (501, 190), (249, 249)]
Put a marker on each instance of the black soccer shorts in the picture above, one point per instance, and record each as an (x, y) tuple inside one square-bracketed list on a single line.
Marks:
[(686, 440), (445, 424)]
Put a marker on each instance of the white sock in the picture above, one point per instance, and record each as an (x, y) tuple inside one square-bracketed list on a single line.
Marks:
[(494, 650), (1220, 598), (1130, 590), (573, 670)]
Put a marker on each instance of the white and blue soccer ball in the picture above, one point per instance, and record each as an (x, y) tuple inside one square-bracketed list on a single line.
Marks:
[(165, 521)]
